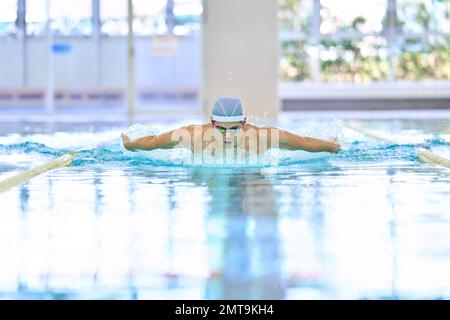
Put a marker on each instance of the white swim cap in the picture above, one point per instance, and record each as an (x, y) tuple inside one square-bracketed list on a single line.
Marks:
[(228, 110)]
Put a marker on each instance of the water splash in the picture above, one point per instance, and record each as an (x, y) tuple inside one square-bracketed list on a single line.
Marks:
[(140, 130), (113, 153), (330, 131)]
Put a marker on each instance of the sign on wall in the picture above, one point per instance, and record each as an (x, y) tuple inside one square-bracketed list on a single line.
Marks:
[(168, 45), (62, 48)]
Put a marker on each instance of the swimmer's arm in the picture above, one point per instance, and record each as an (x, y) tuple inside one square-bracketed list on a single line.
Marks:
[(292, 141), (162, 141)]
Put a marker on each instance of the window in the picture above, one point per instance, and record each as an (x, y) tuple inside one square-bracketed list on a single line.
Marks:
[(350, 15), (357, 60), (294, 15), (357, 41), (71, 17), (36, 17), (8, 17), (67, 17), (187, 14), (422, 59), (295, 61), (113, 16), (149, 17), (417, 16)]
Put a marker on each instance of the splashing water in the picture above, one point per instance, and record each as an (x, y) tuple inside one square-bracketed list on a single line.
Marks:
[(139, 130), (330, 131), (113, 153)]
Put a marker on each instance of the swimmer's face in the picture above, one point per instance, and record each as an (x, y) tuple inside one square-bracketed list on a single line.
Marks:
[(229, 130)]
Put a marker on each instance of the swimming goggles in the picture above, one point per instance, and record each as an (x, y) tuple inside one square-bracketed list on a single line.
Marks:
[(224, 129)]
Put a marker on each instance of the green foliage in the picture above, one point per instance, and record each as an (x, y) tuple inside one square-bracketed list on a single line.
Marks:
[(294, 64), (424, 60), (358, 21), (350, 65), (292, 16), (416, 59)]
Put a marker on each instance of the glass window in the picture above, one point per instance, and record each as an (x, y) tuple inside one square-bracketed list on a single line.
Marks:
[(71, 17), (424, 59), (8, 17), (295, 15), (356, 61), (349, 15), (352, 46), (67, 17), (113, 16), (423, 15), (149, 17), (36, 17), (295, 61), (188, 16)]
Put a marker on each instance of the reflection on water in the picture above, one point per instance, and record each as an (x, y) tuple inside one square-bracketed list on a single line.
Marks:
[(362, 225), (299, 232), (249, 253)]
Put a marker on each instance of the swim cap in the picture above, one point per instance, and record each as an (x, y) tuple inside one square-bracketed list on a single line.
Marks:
[(228, 110)]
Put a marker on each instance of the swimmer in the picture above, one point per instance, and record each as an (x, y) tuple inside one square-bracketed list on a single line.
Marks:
[(229, 128)]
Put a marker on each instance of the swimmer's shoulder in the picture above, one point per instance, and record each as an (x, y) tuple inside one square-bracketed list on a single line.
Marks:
[(191, 127), (253, 126)]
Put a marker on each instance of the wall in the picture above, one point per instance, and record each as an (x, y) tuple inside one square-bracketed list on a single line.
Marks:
[(76, 66), (240, 54)]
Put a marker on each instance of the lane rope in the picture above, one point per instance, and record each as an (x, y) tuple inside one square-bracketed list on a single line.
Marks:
[(425, 156), (429, 157), (372, 135), (63, 161)]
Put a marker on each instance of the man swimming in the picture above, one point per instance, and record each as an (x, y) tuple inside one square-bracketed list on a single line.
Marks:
[(229, 129)]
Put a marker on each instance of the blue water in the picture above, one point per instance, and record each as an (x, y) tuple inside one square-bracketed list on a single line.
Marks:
[(114, 153), (370, 222)]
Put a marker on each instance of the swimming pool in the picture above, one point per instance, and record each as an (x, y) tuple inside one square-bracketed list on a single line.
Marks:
[(370, 222)]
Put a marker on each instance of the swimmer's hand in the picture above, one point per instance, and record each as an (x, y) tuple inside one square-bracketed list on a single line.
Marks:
[(127, 142), (336, 145)]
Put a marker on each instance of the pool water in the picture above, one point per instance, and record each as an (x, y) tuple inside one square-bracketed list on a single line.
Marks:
[(371, 222)]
